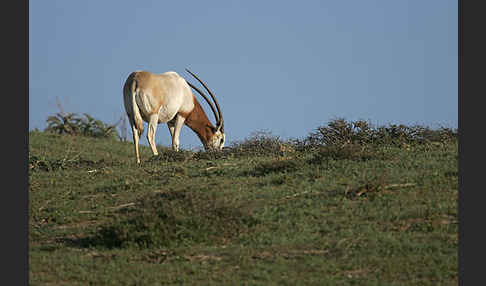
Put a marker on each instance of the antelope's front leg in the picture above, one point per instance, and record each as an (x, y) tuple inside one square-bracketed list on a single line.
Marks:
[(179, 121), (171, 125)]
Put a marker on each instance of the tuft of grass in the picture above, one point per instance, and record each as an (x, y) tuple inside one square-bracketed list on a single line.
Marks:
[(212, 155), (353, 152), (168, 155), (276, 166), (176, 218), (39, 163)]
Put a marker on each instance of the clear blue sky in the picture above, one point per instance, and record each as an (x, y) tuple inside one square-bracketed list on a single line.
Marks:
[(282, 66)]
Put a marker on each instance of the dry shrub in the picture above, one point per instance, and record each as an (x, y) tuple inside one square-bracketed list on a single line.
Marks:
[(339, 132), (259, 143), (72, 124)]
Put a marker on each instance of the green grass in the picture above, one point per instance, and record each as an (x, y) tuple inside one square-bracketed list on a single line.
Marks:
[(263, 212)]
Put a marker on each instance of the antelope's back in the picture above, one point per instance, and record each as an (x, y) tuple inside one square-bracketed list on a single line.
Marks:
[(165, 94)]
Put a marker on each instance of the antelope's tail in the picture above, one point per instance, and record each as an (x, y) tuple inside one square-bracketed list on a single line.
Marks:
[(131, 107)]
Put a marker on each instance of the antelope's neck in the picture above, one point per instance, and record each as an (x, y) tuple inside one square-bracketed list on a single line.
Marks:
[(198, 121)]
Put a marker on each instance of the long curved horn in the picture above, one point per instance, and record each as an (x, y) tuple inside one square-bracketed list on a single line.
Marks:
[(207, 100), (221, 122)]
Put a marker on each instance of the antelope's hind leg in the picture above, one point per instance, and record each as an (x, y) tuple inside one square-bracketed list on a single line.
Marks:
[(136, 137), (152, 128)]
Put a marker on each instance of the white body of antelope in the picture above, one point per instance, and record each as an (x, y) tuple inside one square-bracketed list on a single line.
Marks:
[(167, 98)]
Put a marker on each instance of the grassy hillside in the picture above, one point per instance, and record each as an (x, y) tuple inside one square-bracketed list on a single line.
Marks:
[(347, 205)]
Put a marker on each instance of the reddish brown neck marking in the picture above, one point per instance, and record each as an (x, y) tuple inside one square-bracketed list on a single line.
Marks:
[(198, 121)]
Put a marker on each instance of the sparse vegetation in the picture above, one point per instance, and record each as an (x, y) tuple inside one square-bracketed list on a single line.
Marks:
[(350, 204)]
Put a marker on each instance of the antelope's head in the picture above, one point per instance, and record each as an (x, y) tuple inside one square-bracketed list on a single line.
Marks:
[(217, 137), (216, 142)]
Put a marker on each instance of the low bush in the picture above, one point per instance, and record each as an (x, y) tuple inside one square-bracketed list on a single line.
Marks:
[(259, 143), (339, 132)]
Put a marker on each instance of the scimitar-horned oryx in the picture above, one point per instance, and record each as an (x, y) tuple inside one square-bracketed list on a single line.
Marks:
[(167, 98)]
